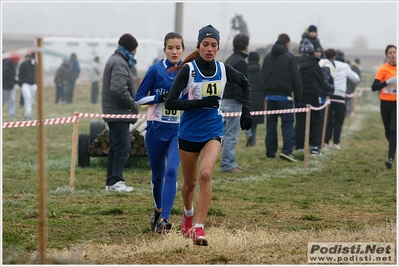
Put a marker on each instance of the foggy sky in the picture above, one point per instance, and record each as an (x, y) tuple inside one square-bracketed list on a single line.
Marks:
[(338, 23)]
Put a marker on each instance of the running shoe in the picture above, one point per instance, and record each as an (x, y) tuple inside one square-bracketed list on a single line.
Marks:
[(199, 238), (389, 163), (154, 219), (187, 225), (163, 226)]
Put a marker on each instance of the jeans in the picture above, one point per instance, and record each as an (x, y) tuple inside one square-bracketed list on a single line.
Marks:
[(60, 93), (28, 91), (287, 128), (251, 132), (9, 96), (231, 131), (94, 92), (119, 151)]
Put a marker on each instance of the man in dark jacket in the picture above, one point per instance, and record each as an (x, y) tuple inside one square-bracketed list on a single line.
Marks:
[(281, 79), (231, 102), (312, 83), (257, 97), (9, 72), (27, 81), (118, 94)]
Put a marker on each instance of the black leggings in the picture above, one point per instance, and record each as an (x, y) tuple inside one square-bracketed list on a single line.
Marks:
[(388, 115)]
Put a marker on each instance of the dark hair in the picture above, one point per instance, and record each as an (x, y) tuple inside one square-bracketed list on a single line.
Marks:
[(389, 46), (284, 38), (240, 42), (330, 53), (172, 35)]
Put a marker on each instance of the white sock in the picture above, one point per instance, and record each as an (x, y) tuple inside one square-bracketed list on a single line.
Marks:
[(189, 212), (199, 225)]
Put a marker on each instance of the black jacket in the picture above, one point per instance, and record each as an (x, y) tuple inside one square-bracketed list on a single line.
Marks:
[(27, 72), (281, 74), (258, 92), (9, 73), (312, 76), (237, 61)]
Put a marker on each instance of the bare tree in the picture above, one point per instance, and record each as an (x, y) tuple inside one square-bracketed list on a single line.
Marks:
[(360, 42)]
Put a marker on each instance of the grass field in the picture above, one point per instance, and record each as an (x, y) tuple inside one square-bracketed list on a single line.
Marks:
[(265, 216)]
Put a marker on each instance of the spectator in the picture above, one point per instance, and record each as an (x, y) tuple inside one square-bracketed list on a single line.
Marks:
[(351, 86), (95, 76), (385, 82), (9, 81), (118, 95), (312, 82), (201, 127), (311, 34), (231, 102), (282, 82), (257, 97), (329, 72), (60, 81), (336, 112), (161, 134), (73, 74), (27, 80)]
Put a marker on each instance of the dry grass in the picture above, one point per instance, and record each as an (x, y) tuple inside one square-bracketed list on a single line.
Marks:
[(226, 247)]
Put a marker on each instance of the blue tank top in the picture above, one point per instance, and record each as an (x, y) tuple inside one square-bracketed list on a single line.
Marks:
[(202, 124)]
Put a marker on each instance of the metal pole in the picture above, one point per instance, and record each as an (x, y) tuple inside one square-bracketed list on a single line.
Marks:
[(42, 156), (179, 18)]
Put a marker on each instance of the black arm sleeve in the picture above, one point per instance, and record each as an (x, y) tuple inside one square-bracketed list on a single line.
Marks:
[(238, 78), (378, 85), (172, 102)]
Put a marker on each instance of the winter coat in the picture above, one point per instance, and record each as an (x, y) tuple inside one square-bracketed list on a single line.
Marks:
[(258, 92), (27, 72), (9, 72), (74, 70), (351, 86), (281, 74), (329, 73), (237, 61), (312, 76), (61, 74), (344, 72), (118, 89)]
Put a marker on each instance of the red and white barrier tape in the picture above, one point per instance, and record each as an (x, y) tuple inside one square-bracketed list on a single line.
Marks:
[(19, 124), (73, 119)]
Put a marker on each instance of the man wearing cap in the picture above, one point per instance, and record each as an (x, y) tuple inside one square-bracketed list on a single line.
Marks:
[(9, 72), (118, 94), (311, 34), (312, 84)]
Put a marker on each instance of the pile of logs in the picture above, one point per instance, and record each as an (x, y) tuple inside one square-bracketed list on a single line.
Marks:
[(100, 146)]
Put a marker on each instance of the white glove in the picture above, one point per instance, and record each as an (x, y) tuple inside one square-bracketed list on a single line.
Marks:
[(391, 80)]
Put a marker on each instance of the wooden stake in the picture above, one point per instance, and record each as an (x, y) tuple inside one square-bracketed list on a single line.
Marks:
[(306, 145), (323, 132), (73, 155), (42, 157)]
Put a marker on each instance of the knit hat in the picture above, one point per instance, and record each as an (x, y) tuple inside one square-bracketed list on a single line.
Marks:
[(208, 31), (253, 56), (306, 47), (312, 28), (128, 42)]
